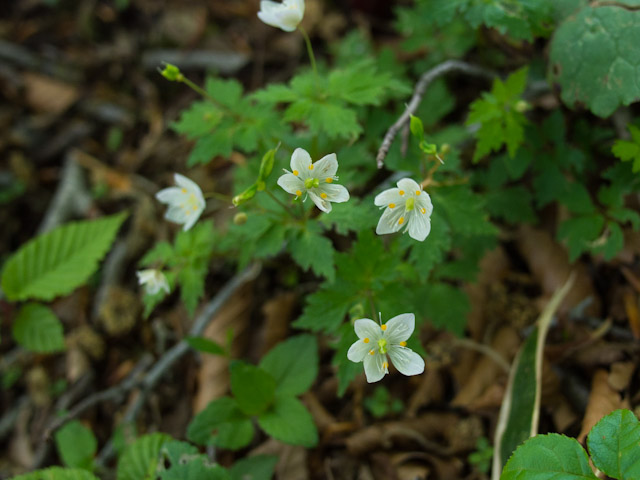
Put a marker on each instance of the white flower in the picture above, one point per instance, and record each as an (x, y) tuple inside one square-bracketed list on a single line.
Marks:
[(286, 15), (375, 342), (406, 206), (153, 281), (315, 179), (185, 201)]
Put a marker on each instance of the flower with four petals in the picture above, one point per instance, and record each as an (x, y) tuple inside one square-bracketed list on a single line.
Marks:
[(153, 281), (314, 179), (286, 15), (376, 341), (185, 201), (408, 207)]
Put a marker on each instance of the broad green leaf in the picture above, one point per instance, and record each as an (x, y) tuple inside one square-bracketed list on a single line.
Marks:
[(549, 457), (76, 445), (139, 460), (59, 261), (198, 120), (446, 306), (181, 461), (580, 233), (290, 422), (425, 255), (311, 249), (58, 473), (627, 150), (325, 309), (38, 329), (464, 210), (252, 387), (352, 216), (205, 345), (293, 364), (257, 467), (594, 56), (221, 423), (612, 243), (512, 204), (614, 445)]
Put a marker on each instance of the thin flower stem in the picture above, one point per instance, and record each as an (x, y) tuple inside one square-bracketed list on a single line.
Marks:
[(283, 205), (219, 196), (199, 90), (307, 40)]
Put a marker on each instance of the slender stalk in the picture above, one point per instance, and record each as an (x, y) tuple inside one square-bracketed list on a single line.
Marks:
[(307, 40), (283, 205), (219, 196)]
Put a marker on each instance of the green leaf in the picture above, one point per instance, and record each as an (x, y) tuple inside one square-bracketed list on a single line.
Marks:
[(614, 444), (310, 249), (198, 120), (447, 307), (361, 83), (205, 345), (594, 56), (38, 329), (613, 243), (257, 467), (426, 255), (325, 309), (222, 424), (627, 150), (181, 460), (352, 216), (464, 210), (57, 262), (549, 457), (191, 279), (290, 422), (293, 364), (57, 473), (512, 204), (253, 387), (76, 445), (580, 233), (139, 460)]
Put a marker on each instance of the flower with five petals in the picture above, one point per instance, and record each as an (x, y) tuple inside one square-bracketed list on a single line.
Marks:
[(375, 342), (185, 201), (285, 16), (315, 179), (408, 207)]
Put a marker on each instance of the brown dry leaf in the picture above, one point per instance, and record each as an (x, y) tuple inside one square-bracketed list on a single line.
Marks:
[(549, 263), (564, 414), (77, 364), (47, 94), (602, 401), (321, 417), (430, 390), (20, 449), (620, 375), (631, 308), (292, 460), (183, 24), (277, 313), (213, 376), (505, 343)]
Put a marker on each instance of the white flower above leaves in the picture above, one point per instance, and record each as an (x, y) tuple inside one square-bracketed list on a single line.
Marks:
[(185, 201), (376, 341), (406, 206), (286, 15), (315, 179), (153, 281)]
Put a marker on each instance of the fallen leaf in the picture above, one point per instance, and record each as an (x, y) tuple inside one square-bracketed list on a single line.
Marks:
[(46, 94), (602, 401)]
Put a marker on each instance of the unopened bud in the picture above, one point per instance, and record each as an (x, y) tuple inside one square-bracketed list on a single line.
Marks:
[(356, 312), (445, 148), (266, 166), (240, 218), (416, 127), (171, 73), (248, 194), (522, 106)]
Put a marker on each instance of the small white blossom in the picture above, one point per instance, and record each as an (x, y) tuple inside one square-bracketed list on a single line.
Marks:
[(406, 206), (375, 342), (153, 281), (185, 201), (286, 15), (315, 179)]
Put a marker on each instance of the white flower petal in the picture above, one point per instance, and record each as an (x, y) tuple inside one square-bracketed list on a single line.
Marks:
[(390, 221), (367, 328), (419, 225), (335, 193), (267, 6), (358, 350), (389, 196), (400, 328), (406, 360), (192, 218), (299, 4), (373, 367), (408, 186), (176, 214), (145, 276), (184, 182), (327, 166), (291, 184), (170, 195), (424, 201), (300, 161), (321, 203)]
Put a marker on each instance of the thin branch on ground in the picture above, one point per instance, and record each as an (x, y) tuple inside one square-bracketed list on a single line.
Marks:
[(176, 352), (486, 350), (418, 92)]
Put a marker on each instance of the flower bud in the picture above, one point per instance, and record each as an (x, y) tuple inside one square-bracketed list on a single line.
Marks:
[(248, 194), (240, 218), (445, 148), (522, 106), (172, 73), (266, 166), (416, 127)]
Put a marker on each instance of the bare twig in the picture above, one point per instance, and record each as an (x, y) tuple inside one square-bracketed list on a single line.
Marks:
[(484, 349), (418, 92), (178, 350)]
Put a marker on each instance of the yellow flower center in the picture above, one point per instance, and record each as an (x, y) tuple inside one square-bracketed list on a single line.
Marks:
[(382, 344), (311, 183), (410, 205)]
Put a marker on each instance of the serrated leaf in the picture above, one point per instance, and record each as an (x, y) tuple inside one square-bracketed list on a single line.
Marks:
[(614, 444), (336, 120), (38, 329), (257, 467), (613, 243), (580, 233), (426, 255), (57, 473), (325, 309), (352, 216), (594, 56), (627, 150), (59, 261), (447, 307), (221, 423), (205, 345), (293, 364), (464, 210), (181, 460), (191, 280), (252, 387), (139, 460), (198, 120), (76, 445), (549, 457), (290, 422), (513, 204), (310, 249)]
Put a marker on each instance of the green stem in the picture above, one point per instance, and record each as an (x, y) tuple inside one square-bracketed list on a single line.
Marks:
[(198, 89), (307, 40), (218, 196), (286, 207)]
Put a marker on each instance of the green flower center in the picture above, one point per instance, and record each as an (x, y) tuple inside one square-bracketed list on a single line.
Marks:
[(382, 343), (311, 183), (410, 205)]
